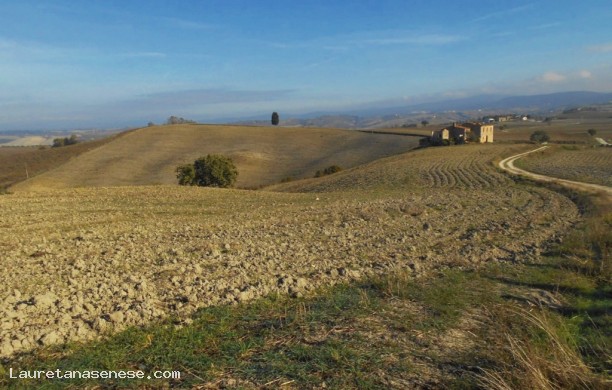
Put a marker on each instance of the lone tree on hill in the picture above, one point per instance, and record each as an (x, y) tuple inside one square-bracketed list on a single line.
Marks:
[(275, 118), (592, 132), (59, 142), (540, 136), (175, 120), (424, 123), (211, 171)]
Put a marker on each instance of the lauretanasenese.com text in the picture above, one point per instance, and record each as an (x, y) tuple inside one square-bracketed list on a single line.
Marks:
[(92, 374)]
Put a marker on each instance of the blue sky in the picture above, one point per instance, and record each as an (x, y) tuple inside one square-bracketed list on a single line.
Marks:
[(71, 64)]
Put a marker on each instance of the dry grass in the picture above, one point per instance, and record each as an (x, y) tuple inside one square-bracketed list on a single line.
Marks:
[(542, 356), (263, 155)]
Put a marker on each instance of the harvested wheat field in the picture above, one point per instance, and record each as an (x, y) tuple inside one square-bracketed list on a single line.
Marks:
[(81, 262), (263, 155), (587, 164)]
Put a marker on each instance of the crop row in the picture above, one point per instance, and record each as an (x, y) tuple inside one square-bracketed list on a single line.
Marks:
[(591, 165), (464, 167)]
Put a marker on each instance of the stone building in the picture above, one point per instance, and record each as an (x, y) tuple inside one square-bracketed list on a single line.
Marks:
[(481, 132), (465, 132), (439, 136)]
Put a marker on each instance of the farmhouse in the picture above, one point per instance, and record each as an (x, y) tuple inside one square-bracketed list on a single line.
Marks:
[(481, 132), (465, 132), (439, 136)]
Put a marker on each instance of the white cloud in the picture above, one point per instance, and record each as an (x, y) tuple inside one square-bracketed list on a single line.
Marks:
[(145, 54), (503, 13), (346, 42), (30, 50), (552, 77), (428, 39), (585, 74), (545, 26), (188, 24)]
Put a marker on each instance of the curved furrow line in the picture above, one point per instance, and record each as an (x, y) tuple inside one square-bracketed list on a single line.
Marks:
[(448, 172), (462, 178), (437, 171), (478, 173)]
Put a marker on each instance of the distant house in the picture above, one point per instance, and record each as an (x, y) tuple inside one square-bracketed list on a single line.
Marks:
[(439, 136), (481, 132), (503, 118), (465, 132)]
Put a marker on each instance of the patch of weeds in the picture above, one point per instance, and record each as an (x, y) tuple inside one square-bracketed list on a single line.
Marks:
[(445, 298), (532, 349), (575, 334)]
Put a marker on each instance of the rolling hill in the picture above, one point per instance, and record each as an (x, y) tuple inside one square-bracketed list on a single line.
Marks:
[(263, 155), (17, 162)]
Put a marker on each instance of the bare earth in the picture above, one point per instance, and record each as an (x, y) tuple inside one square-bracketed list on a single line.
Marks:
[(77, 263)]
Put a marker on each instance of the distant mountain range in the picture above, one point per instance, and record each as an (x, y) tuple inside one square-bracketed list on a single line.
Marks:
[(445, 111), (528, 103)]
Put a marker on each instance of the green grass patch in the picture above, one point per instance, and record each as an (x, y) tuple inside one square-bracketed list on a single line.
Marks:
[(330, 338)]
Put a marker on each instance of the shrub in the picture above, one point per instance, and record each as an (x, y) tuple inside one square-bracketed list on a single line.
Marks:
[(211, 171), (328, 171), (592, 132), (215, 171), (186, 175), (539, 136)]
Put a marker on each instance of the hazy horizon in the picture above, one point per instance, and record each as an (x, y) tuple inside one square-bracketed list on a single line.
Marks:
[(108, 64)]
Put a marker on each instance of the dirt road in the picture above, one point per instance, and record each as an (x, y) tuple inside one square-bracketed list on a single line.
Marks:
[(507, 164)]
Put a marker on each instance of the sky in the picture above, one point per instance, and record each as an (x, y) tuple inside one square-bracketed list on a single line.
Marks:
[(103, 64)]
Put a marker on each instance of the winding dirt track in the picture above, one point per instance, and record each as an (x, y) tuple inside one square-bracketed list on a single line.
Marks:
[(507, 164)]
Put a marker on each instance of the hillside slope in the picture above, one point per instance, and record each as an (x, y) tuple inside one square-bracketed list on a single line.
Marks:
[(15, 160), (263, 155), (459, 167)]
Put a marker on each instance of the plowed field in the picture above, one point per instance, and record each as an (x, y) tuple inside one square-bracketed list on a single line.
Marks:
[(80, 262)]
